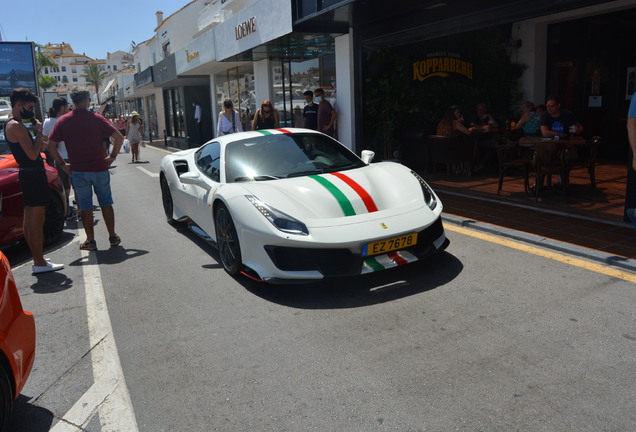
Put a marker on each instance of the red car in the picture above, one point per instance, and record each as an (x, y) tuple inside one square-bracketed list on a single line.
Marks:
[(12, 208), (17, 343)]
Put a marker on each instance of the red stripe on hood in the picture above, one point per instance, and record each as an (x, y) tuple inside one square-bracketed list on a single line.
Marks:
[(366, 198)]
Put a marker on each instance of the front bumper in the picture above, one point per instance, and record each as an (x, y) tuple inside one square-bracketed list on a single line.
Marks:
[(318, 263)]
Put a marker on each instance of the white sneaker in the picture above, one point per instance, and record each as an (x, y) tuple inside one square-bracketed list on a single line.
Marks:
[(49, 267)]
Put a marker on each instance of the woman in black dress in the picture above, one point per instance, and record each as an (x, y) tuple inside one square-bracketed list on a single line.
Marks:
[(266, 117)]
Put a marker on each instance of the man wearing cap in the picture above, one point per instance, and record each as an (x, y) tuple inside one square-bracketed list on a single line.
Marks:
[(82, 131)]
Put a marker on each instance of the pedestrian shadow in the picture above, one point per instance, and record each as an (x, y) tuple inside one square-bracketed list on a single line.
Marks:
[(51, 283), (27, 417), (112, 255)]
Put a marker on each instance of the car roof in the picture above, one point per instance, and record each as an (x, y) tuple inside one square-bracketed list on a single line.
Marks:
[(226, 139)]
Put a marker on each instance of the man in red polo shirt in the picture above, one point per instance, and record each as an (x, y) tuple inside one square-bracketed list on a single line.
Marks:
[(82, 132)]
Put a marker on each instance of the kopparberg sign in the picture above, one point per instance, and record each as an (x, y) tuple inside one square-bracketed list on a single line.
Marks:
[(444, 65)]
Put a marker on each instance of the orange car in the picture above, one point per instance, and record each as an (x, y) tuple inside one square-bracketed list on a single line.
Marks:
[(17, 343)]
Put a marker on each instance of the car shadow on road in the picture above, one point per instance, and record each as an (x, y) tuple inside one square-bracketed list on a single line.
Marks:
[(27, 417), (365, 290), (347, 292)]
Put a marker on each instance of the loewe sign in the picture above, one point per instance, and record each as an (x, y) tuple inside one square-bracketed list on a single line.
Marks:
[(246, 29)]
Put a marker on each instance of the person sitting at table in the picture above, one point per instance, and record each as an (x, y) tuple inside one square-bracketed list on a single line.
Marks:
[(558, 122), (540, 109), (530, 121), (452, 124), (483, 120)]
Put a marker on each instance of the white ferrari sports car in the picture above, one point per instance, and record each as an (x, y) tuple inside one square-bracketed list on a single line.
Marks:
[(292, 205)]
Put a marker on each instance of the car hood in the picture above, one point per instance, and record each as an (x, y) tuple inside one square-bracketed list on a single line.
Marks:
[(348, 197)]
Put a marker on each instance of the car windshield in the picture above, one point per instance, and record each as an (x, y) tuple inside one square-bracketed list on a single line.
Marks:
[(273, 157)]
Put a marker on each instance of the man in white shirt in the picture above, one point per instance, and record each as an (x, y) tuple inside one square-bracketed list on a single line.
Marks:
[(197, 117)]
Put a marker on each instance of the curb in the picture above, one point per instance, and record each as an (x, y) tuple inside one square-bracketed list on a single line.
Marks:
[(535, 240), (161, 146)]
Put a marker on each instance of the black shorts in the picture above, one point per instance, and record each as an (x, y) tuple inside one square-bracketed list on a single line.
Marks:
[(35, 188)]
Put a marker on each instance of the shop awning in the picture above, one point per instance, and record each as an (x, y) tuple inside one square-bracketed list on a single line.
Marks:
[(107, 87), (103, 106), (293, 46)]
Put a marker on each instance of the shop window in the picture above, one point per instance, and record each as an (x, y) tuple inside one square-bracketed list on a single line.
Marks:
[(238, 84)]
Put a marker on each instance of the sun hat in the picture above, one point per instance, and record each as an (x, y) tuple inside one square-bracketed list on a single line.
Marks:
[(134, 113)]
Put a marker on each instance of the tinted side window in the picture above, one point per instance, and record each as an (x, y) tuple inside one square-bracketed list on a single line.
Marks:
[(209, 160)]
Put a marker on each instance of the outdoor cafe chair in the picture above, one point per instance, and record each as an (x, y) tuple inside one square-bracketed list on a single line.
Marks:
[(550, 159), (512, 158), (585, 158)]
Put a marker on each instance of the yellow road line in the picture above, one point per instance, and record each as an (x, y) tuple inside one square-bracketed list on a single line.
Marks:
[(160, 149), (545, 254)]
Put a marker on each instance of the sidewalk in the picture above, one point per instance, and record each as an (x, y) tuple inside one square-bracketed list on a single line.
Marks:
[(589, 224)]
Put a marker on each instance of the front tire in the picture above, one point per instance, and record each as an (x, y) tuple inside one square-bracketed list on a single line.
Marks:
[(6, 400), (54, 218), (166, 196), (227, 240)]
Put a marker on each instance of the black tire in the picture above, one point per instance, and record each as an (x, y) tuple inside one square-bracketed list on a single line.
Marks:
[(166, 197), (227, 240), (54, 218), (6, 400)]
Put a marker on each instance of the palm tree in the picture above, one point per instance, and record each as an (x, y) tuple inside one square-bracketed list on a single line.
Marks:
[(47, 82), (42, 60), (94, 76)]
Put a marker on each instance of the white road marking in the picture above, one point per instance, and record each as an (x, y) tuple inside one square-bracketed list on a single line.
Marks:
[(150, 173), (109, 394)]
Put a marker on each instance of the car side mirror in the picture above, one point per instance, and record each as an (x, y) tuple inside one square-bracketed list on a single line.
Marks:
[(367, 156), (194, 179)]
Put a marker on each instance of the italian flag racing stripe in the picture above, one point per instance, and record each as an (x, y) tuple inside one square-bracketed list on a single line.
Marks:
[(366, 198), (264, 132), (283, 131), (383, 262), (344, 202)]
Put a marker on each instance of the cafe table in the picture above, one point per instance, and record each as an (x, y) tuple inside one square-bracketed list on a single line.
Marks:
[(549, 157)]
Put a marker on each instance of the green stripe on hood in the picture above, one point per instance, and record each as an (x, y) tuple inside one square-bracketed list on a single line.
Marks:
[(344, 202)]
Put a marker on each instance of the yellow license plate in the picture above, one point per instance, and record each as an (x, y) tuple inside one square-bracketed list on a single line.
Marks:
[(389, 245)]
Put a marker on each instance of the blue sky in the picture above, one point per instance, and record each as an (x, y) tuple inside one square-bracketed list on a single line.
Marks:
[(90, 27)]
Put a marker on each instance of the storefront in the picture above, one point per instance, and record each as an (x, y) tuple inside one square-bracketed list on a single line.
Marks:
[(284, 63), (538, 47), (144, 90), (179, 95)]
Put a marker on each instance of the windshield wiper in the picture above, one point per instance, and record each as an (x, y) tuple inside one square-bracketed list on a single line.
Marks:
[(311, 172), (257, 178)]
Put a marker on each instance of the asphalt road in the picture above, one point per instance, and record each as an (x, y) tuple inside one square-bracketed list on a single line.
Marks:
[(480, 337)]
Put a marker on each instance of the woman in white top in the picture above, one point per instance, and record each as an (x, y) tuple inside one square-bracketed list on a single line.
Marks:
[(229, 121), (57, 110), (133, 134)]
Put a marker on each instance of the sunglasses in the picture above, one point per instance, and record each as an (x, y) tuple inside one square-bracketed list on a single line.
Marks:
[(267, 106), (550, 105)]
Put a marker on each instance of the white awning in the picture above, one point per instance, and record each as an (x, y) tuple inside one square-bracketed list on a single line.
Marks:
[(107, 87)]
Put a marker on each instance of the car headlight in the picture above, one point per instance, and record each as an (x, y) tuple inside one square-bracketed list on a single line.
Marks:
[(280, 220), (429, 196)]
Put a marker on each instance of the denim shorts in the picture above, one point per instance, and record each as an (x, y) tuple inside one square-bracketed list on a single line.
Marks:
[(86, 182)]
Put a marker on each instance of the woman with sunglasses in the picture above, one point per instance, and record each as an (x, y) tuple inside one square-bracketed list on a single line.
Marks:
[(229, 121), (266, 117)]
